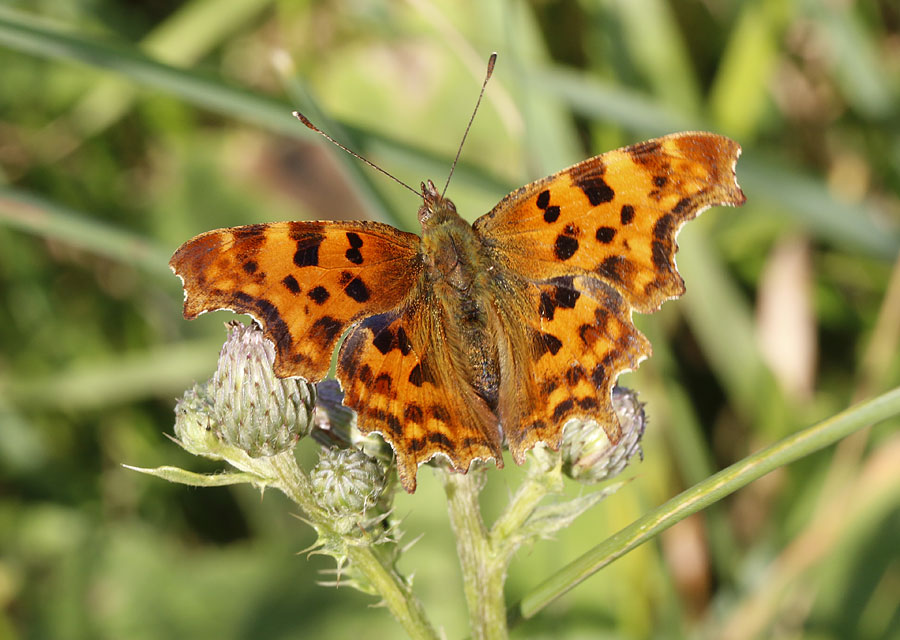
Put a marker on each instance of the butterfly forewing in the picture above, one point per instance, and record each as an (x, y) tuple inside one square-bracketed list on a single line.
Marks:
[(305, 282), (615, 216)]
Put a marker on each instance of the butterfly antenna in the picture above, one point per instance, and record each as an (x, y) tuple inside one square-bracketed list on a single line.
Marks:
[(302, 118), (487, 76)]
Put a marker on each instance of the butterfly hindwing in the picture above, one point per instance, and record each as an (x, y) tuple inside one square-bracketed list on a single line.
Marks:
[(563, 342), (395, 373), (304, 282)]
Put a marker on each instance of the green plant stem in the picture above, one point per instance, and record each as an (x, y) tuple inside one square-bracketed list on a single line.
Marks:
[(483, 570), (398, 598), (705, 493), (540, 482)]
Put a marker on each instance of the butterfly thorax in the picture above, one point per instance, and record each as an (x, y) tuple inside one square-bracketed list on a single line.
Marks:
[(457, 272), (454, 257)]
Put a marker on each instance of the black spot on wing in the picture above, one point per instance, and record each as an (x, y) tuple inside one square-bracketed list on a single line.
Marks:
[(393, 424), (357, 290), (660, 254), (683, 205), (383, 383), (319, 294), (660, 181), (543, 199), (307, 253), (383, 340), (250, 266), (605, 235), (615, 268), (354, 256), (565, 247), (627, 214), (249, 231), (420, 375), (598, 376), (547, 342), (269, 316), (551, 214), (644, 150), (403, 341), (589, 334), (354, 240), (565, 295), (291, 284), (574, 374), (595, 188), (546, 307)]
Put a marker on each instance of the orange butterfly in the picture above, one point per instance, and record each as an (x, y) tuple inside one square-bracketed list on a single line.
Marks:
[(472, 334)]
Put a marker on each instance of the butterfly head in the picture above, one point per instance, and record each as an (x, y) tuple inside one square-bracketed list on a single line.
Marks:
[(435, 209)]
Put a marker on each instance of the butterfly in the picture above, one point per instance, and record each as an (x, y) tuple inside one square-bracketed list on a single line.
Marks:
[(475, 334)]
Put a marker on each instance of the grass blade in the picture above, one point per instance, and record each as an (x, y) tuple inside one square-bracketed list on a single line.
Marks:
[(36, 215), (705, 493)]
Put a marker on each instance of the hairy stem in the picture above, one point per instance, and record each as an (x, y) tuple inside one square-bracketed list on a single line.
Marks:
[(483, 570), (544, 478), (398, 597)]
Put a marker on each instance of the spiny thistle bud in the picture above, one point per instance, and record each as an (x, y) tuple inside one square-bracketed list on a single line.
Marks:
[(195, 425), (347, 481), (256, 411), (586, 451)]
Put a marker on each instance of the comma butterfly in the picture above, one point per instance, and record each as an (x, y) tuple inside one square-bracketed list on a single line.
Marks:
[(475, 333)]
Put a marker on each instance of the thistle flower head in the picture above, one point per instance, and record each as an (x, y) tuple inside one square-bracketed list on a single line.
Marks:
[(587, 454), (254, 410)]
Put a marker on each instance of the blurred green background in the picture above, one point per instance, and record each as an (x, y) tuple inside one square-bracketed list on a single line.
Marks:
[(128, 127)]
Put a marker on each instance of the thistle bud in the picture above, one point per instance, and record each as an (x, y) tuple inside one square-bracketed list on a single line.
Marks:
[(588, 456), (254, 410), (347, 481), (195, 425)]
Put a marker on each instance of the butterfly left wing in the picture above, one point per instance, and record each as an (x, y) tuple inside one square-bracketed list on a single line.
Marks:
[(615, 216), (588, 246), (304, 282)]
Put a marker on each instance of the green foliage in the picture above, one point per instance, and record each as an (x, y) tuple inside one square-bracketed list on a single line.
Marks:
[(127, 128)]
